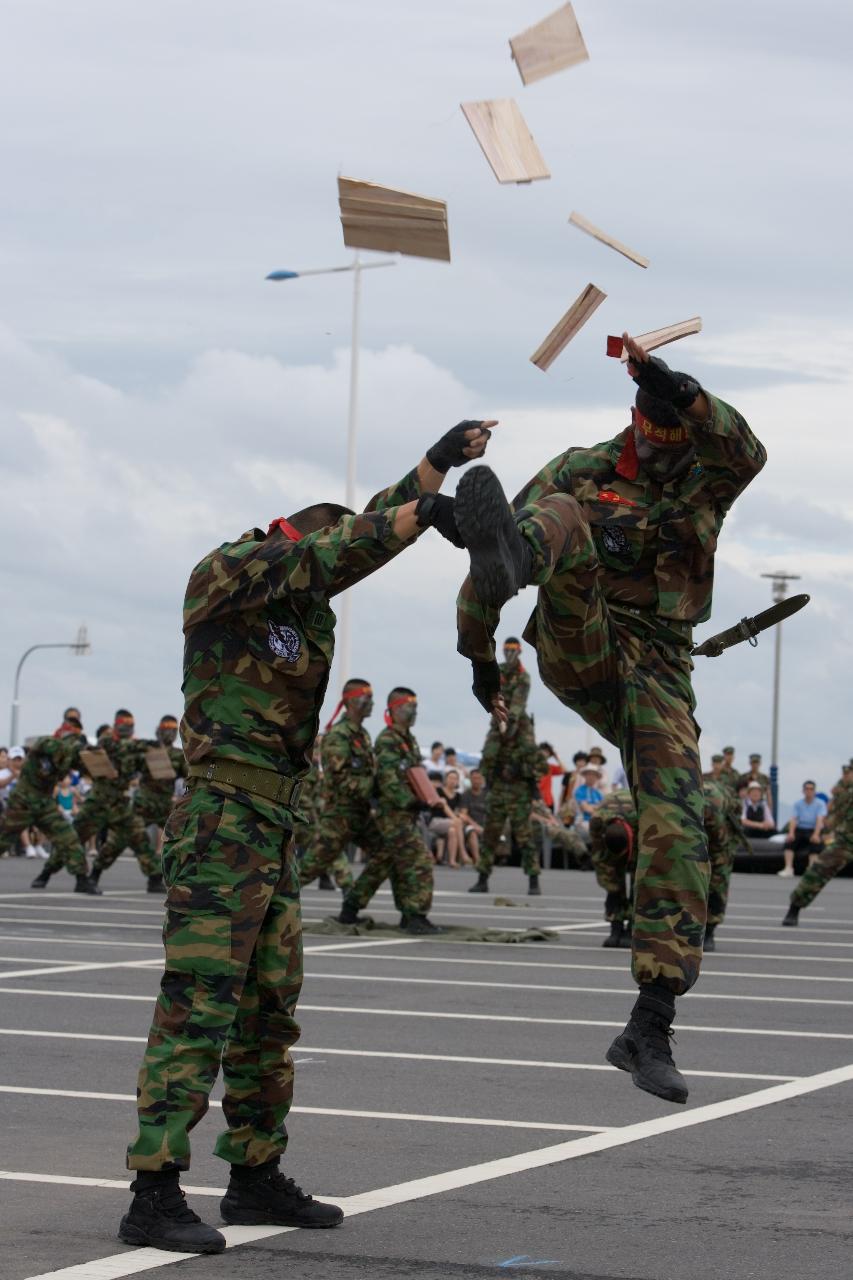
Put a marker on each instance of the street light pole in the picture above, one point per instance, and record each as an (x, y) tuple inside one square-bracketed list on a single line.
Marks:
[(356, 267), (80, 646), (779, 583)]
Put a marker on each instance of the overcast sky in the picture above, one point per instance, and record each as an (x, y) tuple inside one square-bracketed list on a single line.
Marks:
[(158, 397)]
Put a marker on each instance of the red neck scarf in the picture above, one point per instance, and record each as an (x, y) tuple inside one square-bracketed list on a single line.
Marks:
[(286, 528)]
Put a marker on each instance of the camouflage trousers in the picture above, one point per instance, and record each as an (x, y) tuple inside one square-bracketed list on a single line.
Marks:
[(125, 830), (403, 858), (334, 830), (722, 862), (834, 857), (233, 972), (30, 808), (628, 675), (509, 802), (152, 807), (614, 876)]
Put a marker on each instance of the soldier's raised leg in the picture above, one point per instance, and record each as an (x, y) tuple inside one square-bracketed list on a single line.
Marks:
[(836, 854)]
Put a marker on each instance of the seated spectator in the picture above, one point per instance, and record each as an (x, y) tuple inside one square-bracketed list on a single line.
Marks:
[(587, 797), (446, 827), (804, 828), (555, 767), (572, 779), (434, 762), (756, 815), (599, 759), (468, 833), (451, 762)]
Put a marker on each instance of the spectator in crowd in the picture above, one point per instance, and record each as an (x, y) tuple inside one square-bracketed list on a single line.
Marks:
[(5, 776), (451, 762), (445, 828), (454, 797), (588, 796), (572, 780), (474, 804), (756, 814), (598, 758), (555, 767), (434, 762), (804, 828), (66, 798), (619, 781)]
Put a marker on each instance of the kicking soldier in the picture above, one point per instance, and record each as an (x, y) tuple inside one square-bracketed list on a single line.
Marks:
[(259, 643), (620, 540), (399, 854)]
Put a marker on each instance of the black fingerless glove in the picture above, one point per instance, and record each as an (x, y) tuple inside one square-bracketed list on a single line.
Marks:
[(658, 380), (448, 451), (487, 682), (435, 511)]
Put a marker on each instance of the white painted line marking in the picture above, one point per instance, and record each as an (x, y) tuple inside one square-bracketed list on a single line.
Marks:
[(80, 967), (117, 943), (475, 1121), (110, 1184), (123, 1264), (382, 1053), (355, 942)]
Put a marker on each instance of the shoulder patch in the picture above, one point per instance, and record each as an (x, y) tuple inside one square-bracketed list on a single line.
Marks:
[(284, 641)]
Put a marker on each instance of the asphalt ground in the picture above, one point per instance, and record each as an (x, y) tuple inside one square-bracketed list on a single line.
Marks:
[(453, 1096)]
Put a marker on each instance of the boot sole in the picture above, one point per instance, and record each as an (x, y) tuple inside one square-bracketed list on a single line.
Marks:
[(238, 1219), (132, 1235), (623, 1061), (481, 508)]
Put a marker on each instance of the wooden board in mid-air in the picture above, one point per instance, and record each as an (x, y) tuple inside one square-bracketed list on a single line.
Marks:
[(375, 217), (583, 224), (566, 328), (549, 46), (97, 763), (505, 139), (656, 337)]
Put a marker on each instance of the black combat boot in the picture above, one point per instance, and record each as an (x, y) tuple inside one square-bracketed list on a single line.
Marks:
[(481, 884), (160, 1217), (792, 919), (155, 884), (614, 939), (627, 938), (643, 1047), (260, 1194), (501, 559), (41, 880), (709, 942), (84, 884), (325, 882), (95, 875), (419, 925), (533, 890), (349, 914)]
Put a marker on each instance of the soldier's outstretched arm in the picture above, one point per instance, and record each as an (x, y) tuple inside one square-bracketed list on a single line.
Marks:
[(462, 443)]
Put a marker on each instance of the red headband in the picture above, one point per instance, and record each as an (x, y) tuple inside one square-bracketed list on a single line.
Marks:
[(286, 528), (124, 720), (671, 436), (360, 691), (66, 728), (398, 702)]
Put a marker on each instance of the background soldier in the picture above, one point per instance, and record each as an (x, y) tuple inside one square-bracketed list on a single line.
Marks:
[(108, 808), (32, 804), (620, 540), (836, 852), (346, 789), (725, 837), (400, 853), (154, 796), (259, 643), (729, 773), (309, 808), (612, 844), (755, 775)]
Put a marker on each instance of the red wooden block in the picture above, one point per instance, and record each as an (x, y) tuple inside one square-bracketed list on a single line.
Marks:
[(614, 347)]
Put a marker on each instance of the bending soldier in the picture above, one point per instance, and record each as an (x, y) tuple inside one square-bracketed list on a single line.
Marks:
[(836, 853), (620, 539), (259, 643)]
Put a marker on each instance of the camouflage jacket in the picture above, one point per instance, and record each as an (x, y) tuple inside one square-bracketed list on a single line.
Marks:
[(259, 634), (512, 756), (349, 767), (729, 778), (396, 752), (309, 797), (716, 816), (840, 818), (618, 804), (655, 543), (127, 756), (515, 687), (745, 779), (161, 787), (47, 762)]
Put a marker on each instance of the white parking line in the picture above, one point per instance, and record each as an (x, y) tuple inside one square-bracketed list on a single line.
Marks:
[(117, 1266), (475, 1121)]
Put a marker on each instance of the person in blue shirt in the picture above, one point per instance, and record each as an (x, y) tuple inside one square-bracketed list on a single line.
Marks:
[(805, 827), (587, 796)]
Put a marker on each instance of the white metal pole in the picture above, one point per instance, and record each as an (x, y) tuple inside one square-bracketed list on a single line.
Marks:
[(345, 641)]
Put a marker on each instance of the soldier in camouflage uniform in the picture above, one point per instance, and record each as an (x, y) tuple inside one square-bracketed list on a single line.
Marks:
[(612, 844), (108, 807), (620, 540), (755, 775), (725, 838), (837, 851), (309, 809), (399, 852), (154, 796), (349, 768), (560, 834), (33, 804), (512, 765), (259, 643)]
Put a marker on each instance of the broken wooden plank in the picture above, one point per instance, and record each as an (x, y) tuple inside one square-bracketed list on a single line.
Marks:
[(566, 328), (383, 218), (549, 46), (583, 224), (505, 140), (656, 337)]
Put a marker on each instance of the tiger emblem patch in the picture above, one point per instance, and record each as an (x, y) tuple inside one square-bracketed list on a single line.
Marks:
[(284, 641)]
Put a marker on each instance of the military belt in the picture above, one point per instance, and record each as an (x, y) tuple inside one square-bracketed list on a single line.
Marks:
[(265, 783)]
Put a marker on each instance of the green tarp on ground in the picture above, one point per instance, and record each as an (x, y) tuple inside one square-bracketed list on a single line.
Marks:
[(449, 932)]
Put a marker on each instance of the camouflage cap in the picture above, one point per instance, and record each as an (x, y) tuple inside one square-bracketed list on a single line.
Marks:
[(728, 751), (755, 756), (716, 758)]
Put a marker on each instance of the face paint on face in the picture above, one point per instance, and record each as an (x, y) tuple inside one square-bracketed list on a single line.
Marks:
[(660, 463), (363, 704), (512, 655), (124, 728), (408, 713), (167, 735)]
